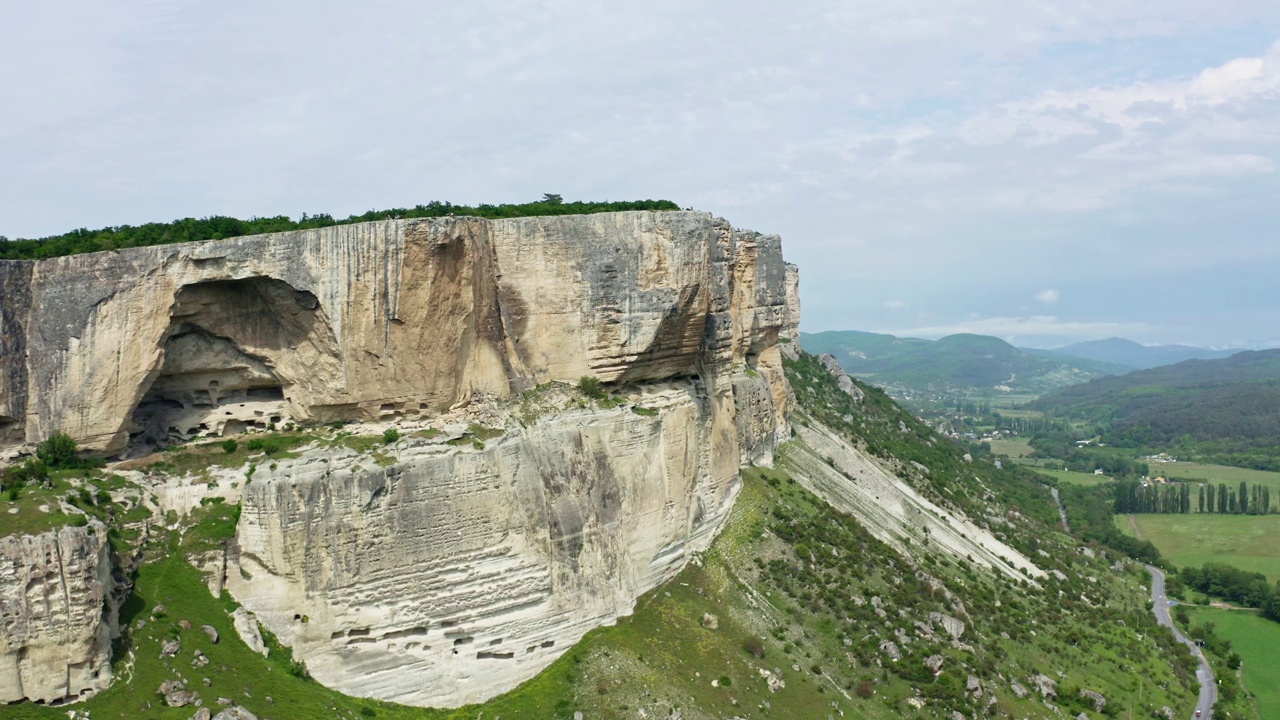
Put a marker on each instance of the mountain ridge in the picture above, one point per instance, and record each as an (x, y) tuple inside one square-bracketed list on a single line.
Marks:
[(1130, 354), (962, 362)]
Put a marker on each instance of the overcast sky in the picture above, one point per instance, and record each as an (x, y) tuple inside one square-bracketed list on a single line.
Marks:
[(1046, 172)]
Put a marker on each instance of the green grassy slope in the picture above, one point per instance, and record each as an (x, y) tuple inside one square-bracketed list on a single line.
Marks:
[(1256, 640), (796, 588), (1249, 542)]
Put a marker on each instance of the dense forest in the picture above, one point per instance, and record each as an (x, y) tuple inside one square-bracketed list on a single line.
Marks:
[(1225, 411), (218, 227)]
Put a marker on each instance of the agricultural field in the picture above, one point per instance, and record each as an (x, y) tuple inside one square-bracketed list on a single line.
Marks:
[(1216, 473), (1249, 542), (1014, 447), (1256, 640), (1075, 478)]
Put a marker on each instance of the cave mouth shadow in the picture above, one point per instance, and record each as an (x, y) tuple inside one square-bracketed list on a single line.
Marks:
[(220, 368)]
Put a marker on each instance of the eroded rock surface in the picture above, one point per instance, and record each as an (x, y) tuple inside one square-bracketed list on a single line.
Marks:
[(55, 636), (375, 320), (456, 573), (439, 574)]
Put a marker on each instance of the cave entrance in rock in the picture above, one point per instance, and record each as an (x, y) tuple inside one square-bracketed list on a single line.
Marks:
[(220, 372)]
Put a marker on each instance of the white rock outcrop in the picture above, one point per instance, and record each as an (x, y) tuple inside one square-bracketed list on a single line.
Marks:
[(456, 573), (853, 481), (55, 633)]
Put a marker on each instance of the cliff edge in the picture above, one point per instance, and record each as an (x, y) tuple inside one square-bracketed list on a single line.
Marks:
[(374, 320)]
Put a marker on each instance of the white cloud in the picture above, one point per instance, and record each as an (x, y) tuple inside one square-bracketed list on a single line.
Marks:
[(894, 305), (904, 150), (1048, 297)]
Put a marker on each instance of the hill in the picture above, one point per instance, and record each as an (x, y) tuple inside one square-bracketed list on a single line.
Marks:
[(1129, 354), (961, 362), (1229, 406)]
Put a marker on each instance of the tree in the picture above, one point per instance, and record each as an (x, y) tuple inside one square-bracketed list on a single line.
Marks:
[(57, 451), (552, 198), (1271, 609)]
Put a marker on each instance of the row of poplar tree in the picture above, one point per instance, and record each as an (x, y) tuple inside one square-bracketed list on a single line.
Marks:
[(1133, 496)]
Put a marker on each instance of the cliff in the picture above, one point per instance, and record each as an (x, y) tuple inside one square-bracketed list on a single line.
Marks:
[(448, 569), (376, 320), (454, 573), (55, 638)]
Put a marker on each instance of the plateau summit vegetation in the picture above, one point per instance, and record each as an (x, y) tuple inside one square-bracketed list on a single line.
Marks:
[(218, 227)]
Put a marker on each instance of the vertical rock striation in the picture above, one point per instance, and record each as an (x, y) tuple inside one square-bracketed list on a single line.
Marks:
[(55, 639), (375, 320), (15, 306), (450, 573)]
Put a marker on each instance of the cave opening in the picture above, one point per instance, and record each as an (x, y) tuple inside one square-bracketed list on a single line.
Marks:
[(219, 371)]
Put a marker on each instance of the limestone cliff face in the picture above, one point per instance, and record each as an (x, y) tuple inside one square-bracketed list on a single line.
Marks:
[(375, 320), (456, 573), (55, 640), (453, 574), (790, 335), (15, 304), (447, 573)]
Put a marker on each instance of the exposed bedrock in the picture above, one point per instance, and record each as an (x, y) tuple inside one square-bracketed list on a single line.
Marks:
[(440, 574), (376, 320), (55, 633), (456, 573)]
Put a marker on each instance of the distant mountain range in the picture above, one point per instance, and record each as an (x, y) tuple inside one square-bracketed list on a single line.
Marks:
[(983, 363), (1129, 354), (962, 363)]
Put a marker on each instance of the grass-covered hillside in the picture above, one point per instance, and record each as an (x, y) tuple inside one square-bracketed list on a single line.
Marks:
[(218, 227), (956, 363), (798, 610), (1224, 410)]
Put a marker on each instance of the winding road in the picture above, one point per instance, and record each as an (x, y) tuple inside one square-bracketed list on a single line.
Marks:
[(1061, 510), (1208, 687)]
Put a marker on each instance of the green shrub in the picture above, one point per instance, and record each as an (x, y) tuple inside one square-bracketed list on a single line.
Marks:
[(269, 445), (229, 446), (592, 387), (58, 451), (390, 435)]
